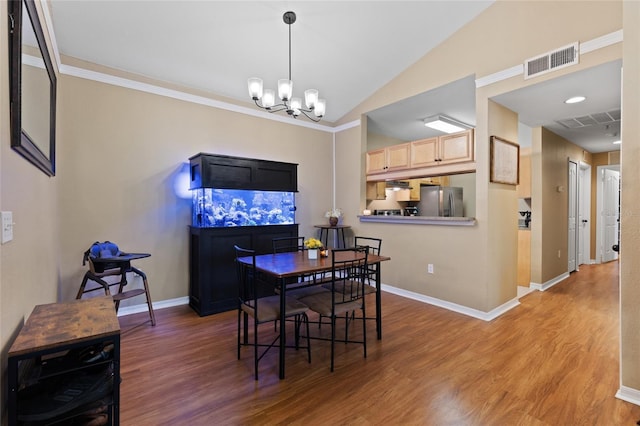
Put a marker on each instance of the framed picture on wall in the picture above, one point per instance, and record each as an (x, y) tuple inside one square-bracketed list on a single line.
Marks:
[(505, 161)]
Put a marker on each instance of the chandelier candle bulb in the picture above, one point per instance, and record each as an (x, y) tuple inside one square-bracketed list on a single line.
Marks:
[(320, 108), (269, 98), (311, 98), (255, 88), (285, 89)]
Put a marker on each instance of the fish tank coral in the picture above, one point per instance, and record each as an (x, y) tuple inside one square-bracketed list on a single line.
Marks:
[(236, 207)]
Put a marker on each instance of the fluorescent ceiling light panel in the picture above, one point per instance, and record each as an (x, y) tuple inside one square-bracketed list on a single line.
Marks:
[(445, 124), (617, 142)]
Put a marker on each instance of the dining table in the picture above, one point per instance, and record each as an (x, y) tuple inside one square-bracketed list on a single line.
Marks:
[(284, 266)]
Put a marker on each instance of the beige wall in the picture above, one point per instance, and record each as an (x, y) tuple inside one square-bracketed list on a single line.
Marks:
[(480, 49), (630, 215), (120, 151), (550, 204), (29, 269)]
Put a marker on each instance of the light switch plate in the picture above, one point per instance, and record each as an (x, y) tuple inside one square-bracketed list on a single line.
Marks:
[(7, 226)]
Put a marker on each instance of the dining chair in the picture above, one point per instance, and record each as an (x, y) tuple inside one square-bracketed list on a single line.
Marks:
[(346, 298), (287, 244), (263, 309), (304, 285), (374, 245)]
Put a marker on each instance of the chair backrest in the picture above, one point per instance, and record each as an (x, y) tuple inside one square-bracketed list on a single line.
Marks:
[(374, 244), (246, 274), (288, 244), (348, 273)]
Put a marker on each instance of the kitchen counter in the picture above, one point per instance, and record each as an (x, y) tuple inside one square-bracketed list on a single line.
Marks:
[(421, 220)]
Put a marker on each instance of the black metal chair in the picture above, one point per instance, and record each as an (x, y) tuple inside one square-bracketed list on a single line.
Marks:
[(348, 274), (288, 244), (263, 309), (106, 260), (304, 285)]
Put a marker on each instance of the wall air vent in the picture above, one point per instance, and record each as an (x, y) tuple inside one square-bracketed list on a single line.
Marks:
[(551, 61)]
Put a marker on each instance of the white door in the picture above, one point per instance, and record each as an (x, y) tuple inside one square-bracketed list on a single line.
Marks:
[(584, 213), (573, 216), (611, 188)]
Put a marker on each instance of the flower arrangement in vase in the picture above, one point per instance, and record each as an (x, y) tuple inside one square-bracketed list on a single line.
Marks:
[(313, 245), (334, 216)]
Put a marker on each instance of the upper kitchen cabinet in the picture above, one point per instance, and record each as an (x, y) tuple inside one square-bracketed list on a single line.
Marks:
[(447, 149), (392, 158)]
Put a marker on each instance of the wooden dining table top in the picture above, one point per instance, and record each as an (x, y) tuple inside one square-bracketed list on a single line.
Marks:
[(291, 264)]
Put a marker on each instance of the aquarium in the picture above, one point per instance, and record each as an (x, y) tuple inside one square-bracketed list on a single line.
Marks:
[(239, 207)]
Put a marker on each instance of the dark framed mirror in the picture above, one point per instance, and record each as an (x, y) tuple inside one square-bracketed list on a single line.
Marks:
[(32, 88)]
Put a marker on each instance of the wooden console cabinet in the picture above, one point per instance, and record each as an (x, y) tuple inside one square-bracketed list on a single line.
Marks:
[(212, 279), (64, 362)]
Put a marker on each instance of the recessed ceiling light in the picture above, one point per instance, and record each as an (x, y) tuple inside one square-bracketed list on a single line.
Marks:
[(617, 142), (575, 100)]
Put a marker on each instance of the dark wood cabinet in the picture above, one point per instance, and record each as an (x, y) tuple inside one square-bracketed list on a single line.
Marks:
[(65, 363), (212, 273), (212, 281), (226, 172)]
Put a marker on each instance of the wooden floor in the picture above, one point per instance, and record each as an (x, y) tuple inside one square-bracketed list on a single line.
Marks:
[(552, 360)]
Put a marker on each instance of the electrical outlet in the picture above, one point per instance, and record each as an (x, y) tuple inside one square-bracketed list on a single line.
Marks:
[(7, 226), (430, 268)]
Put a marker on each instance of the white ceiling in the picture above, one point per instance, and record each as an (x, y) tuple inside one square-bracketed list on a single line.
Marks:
[(345, 49)]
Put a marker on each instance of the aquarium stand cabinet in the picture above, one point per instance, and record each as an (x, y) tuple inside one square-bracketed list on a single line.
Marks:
[(212, 274), (65, 363)]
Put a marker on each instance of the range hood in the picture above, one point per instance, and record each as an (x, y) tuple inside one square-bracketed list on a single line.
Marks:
[(397, 185)]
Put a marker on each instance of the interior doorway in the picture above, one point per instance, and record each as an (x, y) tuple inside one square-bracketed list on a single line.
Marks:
[(608, 202)]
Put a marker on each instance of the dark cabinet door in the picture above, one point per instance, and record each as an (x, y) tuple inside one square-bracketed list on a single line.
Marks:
[(212, 280), (225, 172)]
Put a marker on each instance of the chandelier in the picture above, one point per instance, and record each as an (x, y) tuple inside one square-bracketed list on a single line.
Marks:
[(265, 98)]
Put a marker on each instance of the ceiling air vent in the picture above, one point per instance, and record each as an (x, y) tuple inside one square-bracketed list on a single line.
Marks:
[(551, 61), (591, 119)]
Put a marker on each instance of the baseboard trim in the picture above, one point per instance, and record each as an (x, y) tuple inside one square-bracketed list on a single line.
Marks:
[(485, 316), (136, 309), (547, 285), (629, 395)]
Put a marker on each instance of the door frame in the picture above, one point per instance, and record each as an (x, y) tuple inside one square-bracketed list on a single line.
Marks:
[(584, 212)]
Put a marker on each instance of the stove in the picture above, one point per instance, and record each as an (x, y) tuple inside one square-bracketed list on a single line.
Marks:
[(393, 212)]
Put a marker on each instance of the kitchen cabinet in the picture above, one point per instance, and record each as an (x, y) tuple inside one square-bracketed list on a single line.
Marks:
[(395, 157), (423, 157), (64, 363), (448, 149), (435, 180), (376, 190), (411, 194)]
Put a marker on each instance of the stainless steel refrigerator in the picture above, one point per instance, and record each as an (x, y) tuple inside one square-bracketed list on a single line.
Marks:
[(440, 201)]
